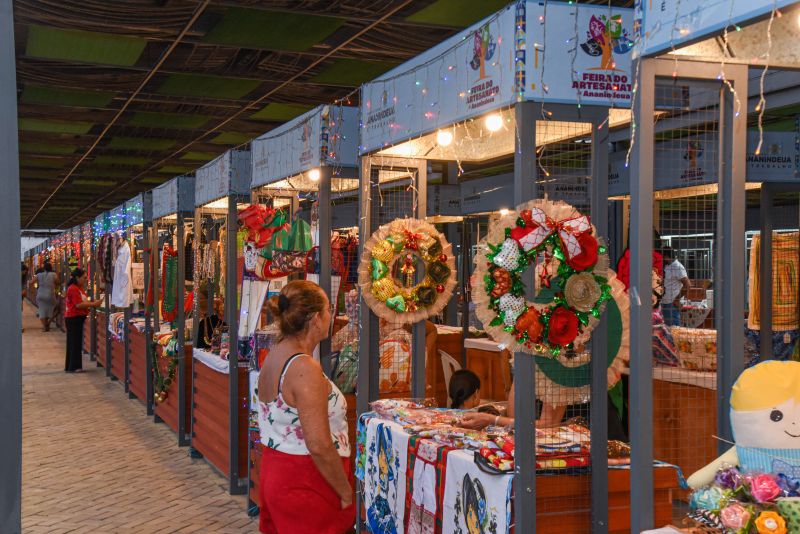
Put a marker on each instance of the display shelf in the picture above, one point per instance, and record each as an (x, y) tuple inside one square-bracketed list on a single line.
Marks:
[(118, 359), (137, 363), (453, 344), (210, 416), (168, 410), (102, 334), (493, 368)]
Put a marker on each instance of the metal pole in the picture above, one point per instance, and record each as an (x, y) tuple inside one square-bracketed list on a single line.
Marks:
[(368, 328), (729, 294), (418, 355), (147, 240), (525, 173), (126, 350), (232, 320), (765, 273), (324, 227), (107, 315), (641, 270), (155, 245), (126, 328), (183, 438), (466, 246), (452, 233), (367, 387), (198, 232), (11, 323), (93, 296), (599, 386)]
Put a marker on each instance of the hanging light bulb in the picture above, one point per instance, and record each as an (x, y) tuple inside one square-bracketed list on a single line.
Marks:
[(444, 138), (313, 175), (494, 122), (504, 212)]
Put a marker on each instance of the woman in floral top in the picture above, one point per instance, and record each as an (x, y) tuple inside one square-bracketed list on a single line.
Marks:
[(305, 472)]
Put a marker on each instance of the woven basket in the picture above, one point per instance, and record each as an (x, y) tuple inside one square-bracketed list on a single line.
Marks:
[(697, 348)]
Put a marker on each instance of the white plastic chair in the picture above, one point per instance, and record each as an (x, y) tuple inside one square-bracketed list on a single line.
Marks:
[(449, 366)]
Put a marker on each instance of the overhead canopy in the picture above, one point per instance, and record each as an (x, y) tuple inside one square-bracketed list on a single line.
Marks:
[(116, 218), (227, 175), (693, 29), (174, 196), (560, 53), (134, 211), (325, 136)]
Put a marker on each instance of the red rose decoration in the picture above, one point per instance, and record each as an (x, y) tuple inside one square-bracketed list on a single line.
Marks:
[(588, 256), (563, 327)]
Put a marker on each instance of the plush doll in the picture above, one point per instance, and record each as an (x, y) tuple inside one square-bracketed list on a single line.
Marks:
[(765, 417)]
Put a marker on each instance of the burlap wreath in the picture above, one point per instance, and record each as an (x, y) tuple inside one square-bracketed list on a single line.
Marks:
[(412, 300), (571, 278)]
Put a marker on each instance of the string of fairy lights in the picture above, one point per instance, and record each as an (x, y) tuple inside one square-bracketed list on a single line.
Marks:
[(443, 69)]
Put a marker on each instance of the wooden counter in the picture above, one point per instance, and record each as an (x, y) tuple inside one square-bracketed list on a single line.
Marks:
[(137, 364), (167, 411), (563, 502), (102, 334), (684, 421), (87, 335), (118, 359), (210, 422)]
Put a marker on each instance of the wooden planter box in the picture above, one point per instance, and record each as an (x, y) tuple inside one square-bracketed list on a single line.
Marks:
[(167, 411), (563, 502), (137, 364), (102, 334), (118, 359), (210, 423)]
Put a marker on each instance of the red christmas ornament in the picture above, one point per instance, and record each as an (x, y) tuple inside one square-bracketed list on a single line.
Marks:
[(440, 288), (443, 258)]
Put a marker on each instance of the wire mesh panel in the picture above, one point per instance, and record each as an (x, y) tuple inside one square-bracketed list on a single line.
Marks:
[(563, 381), (772, 332), (394, 195), (685, 276)]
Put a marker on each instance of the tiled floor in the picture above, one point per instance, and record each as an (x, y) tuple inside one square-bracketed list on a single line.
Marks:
[(94, 462)]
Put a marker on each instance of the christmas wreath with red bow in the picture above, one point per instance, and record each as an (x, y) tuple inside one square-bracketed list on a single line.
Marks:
[(571, 267)]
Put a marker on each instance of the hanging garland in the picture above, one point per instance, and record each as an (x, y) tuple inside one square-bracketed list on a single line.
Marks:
[(570, 261), (407, 271), (169, 350), (169, 283)]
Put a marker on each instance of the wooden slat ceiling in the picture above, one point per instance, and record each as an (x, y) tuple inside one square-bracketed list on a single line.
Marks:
[(261, 62)]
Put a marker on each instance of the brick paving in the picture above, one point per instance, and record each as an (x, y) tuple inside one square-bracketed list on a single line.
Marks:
[(93, 461)]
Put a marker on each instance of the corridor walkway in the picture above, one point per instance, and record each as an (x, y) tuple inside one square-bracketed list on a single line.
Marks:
[(94, 462)]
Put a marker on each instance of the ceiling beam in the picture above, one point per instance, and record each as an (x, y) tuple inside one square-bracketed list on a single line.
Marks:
[(146, 79), (252, 105)]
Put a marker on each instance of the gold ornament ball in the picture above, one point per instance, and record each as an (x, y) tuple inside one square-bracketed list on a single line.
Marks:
[(383, 251)]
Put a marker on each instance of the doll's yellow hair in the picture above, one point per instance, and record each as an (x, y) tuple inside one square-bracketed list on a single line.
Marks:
[(766, 385)]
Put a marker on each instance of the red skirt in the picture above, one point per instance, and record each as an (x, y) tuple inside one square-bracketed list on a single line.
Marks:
[(296, 499)]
